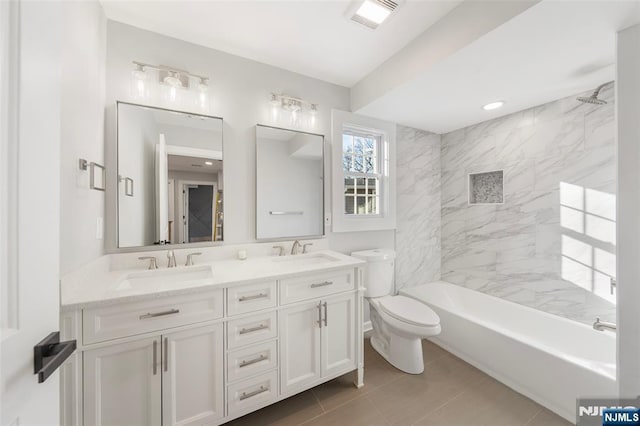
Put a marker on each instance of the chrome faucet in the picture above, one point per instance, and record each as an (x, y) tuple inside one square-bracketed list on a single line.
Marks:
[(295, 249), (304, 247), (172, 259), (153, 263), (602, 325), (280, 250), (190, 258)]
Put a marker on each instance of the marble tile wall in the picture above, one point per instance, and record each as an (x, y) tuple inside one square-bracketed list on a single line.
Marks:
[(418, 207), (551, 245)]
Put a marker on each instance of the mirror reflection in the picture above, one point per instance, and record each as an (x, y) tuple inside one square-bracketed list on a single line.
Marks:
[(170, 180), (289, 183)]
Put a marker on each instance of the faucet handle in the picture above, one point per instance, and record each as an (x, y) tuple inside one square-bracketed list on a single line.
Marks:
[(304, 247), (172, 259), (280, 250), (190, 258), (153, 262)]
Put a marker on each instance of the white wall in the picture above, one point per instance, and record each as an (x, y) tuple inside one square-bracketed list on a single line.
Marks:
[(628, 102), (82, 131), (240, 91)]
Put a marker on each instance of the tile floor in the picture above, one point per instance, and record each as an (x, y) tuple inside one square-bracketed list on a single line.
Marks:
[(450, 392)]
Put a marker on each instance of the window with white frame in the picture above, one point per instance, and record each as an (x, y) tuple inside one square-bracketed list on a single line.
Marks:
[(363, 170)]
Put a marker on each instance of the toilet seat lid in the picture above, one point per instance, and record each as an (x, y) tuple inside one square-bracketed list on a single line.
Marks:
[(409, 310)]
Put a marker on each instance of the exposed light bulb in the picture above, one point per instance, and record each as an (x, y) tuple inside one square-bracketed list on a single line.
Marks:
[(139, 73), (204, 84), (173, 79), (314, 109), (172, 93), (274, 100)]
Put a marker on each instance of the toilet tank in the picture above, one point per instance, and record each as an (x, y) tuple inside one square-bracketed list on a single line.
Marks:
[(378, 272)]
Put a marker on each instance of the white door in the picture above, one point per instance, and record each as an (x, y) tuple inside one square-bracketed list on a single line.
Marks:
[(122, 384), (30, 49), (192, 376), (299, 346), (338, 334), (162, 190)]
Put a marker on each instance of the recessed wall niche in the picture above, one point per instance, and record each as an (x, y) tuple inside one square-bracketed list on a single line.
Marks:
[(486, 187)]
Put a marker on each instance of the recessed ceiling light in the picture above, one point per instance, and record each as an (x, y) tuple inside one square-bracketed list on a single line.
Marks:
[(208, 163), (373, 12), (493, 105)]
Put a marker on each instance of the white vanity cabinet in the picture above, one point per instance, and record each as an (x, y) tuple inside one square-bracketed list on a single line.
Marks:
[(172, 379), (209, 357), (317, 340)]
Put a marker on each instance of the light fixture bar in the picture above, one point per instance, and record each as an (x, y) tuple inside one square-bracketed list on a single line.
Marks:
[(292, 104), (142, 65)]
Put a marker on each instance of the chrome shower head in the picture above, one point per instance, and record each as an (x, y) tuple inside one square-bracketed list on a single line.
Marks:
[(593, 99)]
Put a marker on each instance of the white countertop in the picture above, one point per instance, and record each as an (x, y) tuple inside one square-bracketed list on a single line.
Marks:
[(100, 285)]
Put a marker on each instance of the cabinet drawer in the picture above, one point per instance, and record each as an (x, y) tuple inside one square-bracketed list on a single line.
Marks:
[(253, 297), (252, 360), (253, 393), (315, 285), (253, 329), (128, 319)]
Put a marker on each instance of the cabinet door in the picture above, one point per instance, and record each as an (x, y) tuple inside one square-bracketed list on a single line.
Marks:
[(338, 334), (192, 376), (122, 384), (299, 346)]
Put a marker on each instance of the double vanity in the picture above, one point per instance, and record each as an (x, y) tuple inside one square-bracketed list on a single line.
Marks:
[(204, 344)]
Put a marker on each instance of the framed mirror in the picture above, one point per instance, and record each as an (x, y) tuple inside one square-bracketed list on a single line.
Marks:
[(289, 184), (170, 177)]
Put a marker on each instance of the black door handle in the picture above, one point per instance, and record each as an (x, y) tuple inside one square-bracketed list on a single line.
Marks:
[(49, 354)]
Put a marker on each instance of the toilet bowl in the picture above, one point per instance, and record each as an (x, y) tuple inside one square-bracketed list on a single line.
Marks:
[(399, 322)]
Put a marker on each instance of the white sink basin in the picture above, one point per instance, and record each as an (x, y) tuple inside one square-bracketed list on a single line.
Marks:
[(178, 277), (306, 259)]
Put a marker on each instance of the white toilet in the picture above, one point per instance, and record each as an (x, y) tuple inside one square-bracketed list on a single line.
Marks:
[(399, 323)]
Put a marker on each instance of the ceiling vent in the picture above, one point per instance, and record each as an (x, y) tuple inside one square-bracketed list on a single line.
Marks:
[(373, 12)]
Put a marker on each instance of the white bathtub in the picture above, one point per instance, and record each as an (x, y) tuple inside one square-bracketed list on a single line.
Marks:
[(550, 359)]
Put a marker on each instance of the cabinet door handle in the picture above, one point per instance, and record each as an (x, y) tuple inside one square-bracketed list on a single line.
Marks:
[(155, 357), (325, 313), (320, 314), (322, 284), (253, 393), (159, 314), (166, 354), (252, 361), (253, 297), (252, 329)]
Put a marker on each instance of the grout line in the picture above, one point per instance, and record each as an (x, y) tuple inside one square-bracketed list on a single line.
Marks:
[(448, 401), (534, 416), (318, 401)]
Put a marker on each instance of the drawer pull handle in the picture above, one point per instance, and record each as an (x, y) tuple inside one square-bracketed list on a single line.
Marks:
[(252, 329), (322, 284), (253, 297), (159, 314), (253, 393), (252, 361)]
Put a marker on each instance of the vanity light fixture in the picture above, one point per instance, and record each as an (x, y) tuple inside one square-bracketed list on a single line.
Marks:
[(171, 76), (493, 105), (293, 105), (372, 13)]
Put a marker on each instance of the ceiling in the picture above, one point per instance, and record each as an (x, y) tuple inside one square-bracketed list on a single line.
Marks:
[(552, 50), (182, 163), (310, 37)]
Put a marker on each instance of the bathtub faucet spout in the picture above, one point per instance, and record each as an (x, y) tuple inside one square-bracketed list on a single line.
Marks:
[(602, 325)]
